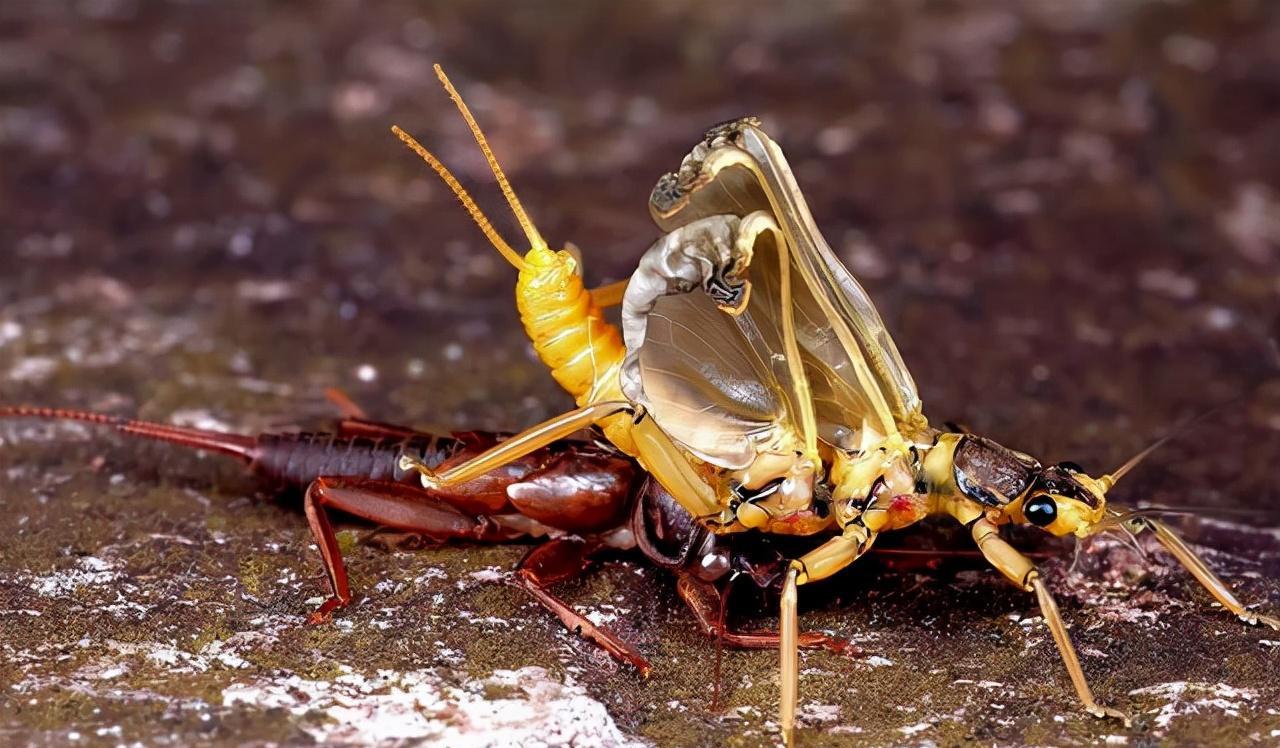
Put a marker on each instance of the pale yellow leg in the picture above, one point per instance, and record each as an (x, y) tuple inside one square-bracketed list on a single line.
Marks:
[(609, 294), (835, 554), (789, 658), (1216, 587), (1019, 570), (820, 563), (517, 446), (672, 468)]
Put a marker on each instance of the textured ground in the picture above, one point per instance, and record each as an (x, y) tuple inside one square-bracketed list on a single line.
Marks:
[(1068, 214)]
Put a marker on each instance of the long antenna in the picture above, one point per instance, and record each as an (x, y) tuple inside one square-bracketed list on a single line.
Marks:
[(463, 196), (1132, 462), (1115, 475), (535, 239)]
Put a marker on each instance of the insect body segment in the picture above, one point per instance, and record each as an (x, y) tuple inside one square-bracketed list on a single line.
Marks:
[(583, 350), (560, 316)]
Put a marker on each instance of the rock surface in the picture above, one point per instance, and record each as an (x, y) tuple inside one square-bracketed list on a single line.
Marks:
[(1068, 214)]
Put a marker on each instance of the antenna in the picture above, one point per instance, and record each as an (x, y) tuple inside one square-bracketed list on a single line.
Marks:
[(535, 239), (460, 192)]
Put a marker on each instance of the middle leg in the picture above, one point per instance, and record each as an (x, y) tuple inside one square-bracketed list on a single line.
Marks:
[(559, 560), (704, 600)]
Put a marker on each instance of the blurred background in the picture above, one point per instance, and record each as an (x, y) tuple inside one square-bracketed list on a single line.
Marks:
[(1067, 214)]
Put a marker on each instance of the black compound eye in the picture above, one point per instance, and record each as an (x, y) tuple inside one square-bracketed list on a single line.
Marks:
[(1040, 511), (1071, 467)]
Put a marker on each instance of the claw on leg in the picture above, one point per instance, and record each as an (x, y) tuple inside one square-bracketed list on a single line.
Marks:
[(1052, 618), (1258, 619), (324, 613), (1207, 579)]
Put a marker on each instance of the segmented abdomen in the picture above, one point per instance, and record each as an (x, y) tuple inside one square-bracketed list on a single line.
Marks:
[(298, 459), (571, 336)]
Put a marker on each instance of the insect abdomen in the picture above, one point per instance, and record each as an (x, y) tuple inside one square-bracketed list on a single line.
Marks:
[(298, 459), (582, 349)]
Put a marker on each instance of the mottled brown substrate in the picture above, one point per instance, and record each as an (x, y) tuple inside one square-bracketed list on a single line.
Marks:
[(1067, 213)]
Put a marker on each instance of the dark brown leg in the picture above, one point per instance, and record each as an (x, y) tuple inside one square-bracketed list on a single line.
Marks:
[(559, 560), (703, 599), (390, 504), (377, 429), (345, 405), (354, 421)]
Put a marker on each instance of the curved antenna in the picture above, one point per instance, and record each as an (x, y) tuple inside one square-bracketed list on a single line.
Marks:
[(1109, 480), (535, 239), (1132, 462), (463, 196)]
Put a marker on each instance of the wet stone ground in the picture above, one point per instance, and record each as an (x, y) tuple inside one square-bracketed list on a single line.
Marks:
[(1067, 212)]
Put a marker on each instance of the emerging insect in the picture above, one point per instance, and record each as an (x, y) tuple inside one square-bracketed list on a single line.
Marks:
[(759, 386)]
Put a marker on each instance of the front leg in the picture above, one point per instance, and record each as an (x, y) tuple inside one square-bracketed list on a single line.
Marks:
[(1018, 569), (820, 563), (526, 442), (1210, 581)]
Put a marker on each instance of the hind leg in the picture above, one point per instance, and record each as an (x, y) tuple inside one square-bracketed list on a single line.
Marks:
[(354, 420), (390, 504), (704, 600), (524, 443), (560, 560)]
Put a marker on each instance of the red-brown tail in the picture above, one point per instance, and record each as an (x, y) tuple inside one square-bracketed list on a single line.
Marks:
[(236, 445)]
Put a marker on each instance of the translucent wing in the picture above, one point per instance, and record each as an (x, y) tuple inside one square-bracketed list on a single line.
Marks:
[(707, 353), (856, 322), (709, 379)]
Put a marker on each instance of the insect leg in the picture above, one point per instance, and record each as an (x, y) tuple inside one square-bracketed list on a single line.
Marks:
[(820, 563), (355, 427), (345, 405), (609, 294), (1198, 569), (788, 658), (703, 600), (1018, 569), (517, 446), (386, 503), (559, 560)]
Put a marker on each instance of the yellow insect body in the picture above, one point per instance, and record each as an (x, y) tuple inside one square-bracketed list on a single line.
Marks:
[(584, 352), (571, 336), (899, 472)]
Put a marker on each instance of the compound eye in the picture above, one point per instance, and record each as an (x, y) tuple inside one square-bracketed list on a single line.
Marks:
[(1040, 510), (1071, 467)]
